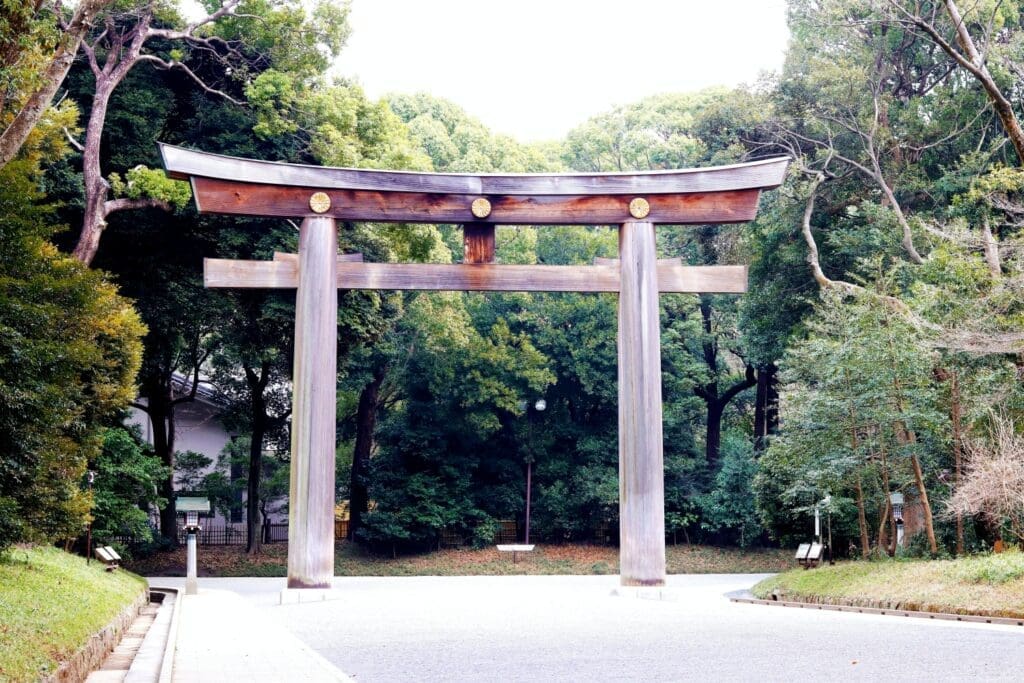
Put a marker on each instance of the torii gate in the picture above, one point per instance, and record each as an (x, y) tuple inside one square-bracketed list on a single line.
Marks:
[(321, 196)]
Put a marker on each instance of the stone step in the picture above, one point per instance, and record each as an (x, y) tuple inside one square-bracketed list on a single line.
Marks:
[(115, 666)]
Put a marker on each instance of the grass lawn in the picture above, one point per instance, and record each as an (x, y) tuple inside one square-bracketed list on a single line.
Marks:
[(990, 585), (351, 560), (50, 603)]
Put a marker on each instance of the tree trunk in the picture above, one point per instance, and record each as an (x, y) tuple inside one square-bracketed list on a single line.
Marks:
[(260, 423), (929, 528), (883, 520), (761, 411), (160, 410), (956, 418), (366, 422), (1003, 107), (116, 66), (715, 399), (995, 266), (766, 405), (253, 536), (14, 136), (94, 219), (888, 514), (713, 434), (862, 521)]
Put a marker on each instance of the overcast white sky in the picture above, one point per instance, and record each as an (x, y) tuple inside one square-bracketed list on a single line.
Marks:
[(536, 68)]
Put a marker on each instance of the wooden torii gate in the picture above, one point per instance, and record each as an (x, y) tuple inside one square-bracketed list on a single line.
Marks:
[(321, 196)]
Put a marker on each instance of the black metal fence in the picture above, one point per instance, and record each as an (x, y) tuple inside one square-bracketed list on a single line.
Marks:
[(235, 534)]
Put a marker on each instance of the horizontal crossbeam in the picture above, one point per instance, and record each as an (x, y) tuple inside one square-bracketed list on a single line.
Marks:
[(214, 195), (283, 274)]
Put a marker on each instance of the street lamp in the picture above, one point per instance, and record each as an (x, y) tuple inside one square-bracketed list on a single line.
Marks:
[(192, 507), (88, 541), (539, 406), (826, 502)]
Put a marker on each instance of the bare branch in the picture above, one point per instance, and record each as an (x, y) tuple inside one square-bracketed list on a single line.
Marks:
[(174, 64), (71, 138), (972, 61), (991, 249), (124, 204)]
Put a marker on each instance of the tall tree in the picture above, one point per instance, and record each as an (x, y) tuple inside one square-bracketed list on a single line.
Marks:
[(38, 43), (236, 38), (69, 351)]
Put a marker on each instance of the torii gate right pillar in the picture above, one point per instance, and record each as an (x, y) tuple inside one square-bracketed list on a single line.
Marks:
[(641, 459)]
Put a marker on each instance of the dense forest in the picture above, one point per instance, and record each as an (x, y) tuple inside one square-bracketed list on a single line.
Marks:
[(879, 348)]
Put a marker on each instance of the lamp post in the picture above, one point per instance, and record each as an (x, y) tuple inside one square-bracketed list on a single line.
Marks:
[(191, 507), (827, 504), (88, 540), (539, 407)]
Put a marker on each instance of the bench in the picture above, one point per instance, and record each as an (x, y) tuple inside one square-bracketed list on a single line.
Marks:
[(515, 549), (109, 557)]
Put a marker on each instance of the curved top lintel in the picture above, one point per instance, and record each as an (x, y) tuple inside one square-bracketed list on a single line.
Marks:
[(763, 174)]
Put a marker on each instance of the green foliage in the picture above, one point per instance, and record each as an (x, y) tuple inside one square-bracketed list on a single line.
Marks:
[(225, 491), (69, 351), (189, 469), (141, 182), (456, 142), (28, 34), (992, 569), (729, 507), (127, 474)]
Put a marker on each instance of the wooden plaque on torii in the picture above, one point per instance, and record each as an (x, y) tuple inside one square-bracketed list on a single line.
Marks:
[(636, 202)]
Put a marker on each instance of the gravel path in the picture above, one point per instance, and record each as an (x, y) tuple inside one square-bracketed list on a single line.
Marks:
[(566, 628)]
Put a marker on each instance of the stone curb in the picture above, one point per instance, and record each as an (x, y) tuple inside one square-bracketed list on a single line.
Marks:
[(152, 657), (167, 664), (887, 611), (91, 655)]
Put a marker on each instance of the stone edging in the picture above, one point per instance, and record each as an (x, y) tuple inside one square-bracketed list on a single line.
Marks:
[(167, 666), (90, 656), (888, 611), (149, 658)]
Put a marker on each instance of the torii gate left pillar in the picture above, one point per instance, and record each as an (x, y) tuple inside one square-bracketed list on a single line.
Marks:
[(314, 403), (634, 201)]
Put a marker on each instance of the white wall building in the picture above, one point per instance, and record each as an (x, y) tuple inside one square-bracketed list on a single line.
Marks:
[(198, 427)]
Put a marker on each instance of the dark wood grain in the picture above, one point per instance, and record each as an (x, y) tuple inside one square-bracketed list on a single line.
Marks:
[(232, 197), (478, 243), (763, 174), (671, 278)]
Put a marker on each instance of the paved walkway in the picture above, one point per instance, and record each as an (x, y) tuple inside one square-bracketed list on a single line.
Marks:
[(570, 628), (222, 637)]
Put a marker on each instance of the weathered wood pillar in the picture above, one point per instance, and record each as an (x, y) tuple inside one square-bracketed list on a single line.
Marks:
[(478, 243), (311, 494), (641, 466)]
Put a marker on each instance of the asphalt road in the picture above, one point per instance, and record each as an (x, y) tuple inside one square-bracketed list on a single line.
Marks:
[(557, 628)]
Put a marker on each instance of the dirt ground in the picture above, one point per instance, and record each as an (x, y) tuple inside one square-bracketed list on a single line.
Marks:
[(351, 560)]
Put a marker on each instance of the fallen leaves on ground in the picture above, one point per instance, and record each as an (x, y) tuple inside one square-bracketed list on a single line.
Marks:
[(576, 559)]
